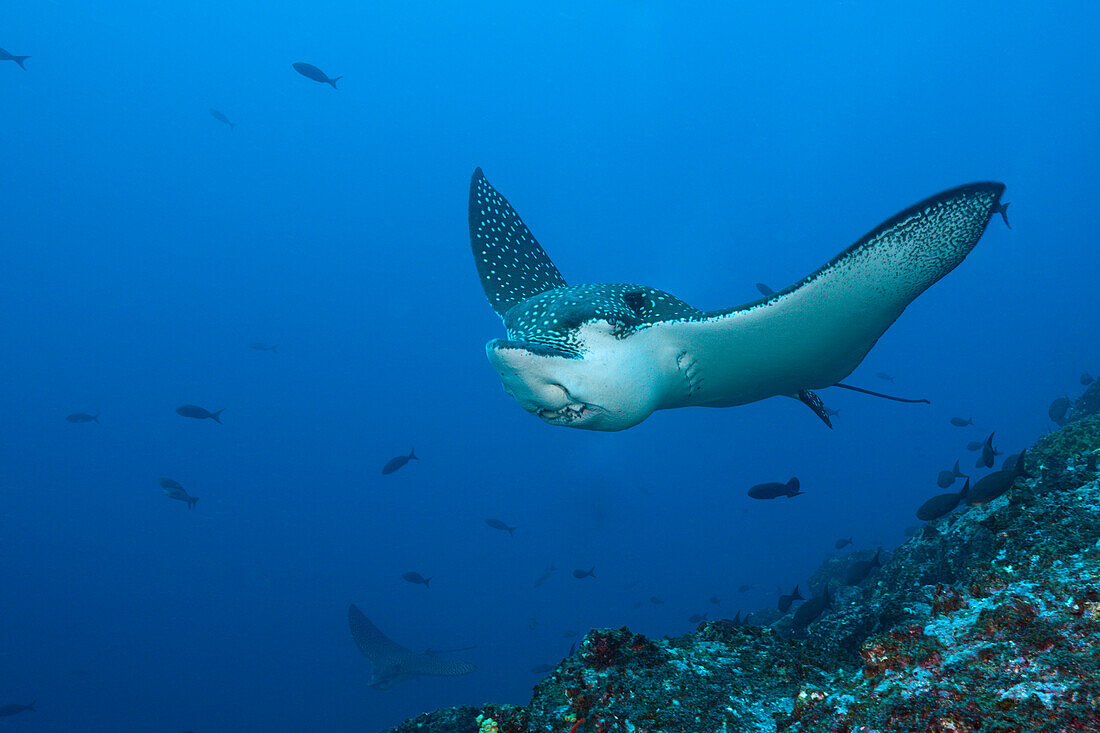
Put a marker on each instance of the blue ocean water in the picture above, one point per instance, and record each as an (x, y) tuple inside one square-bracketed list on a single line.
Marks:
[(694, 148)]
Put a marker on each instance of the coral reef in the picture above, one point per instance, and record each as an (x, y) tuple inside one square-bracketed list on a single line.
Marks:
[(988, 620)]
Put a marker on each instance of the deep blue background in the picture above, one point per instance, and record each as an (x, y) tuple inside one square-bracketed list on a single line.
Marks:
[(143, 245)]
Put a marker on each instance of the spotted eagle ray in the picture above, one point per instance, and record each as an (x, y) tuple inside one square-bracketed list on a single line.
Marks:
[(394, 663), (606, 356)]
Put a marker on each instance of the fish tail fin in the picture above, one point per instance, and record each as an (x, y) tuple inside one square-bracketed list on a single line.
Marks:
[(426, 581), (512, 531), (1020, 468), (19, 60), (412, 455), (32, 702), (333, 81), (592, 572), (233, 126), (95, 418), (1002, 209), (215, 417), (192, 501)]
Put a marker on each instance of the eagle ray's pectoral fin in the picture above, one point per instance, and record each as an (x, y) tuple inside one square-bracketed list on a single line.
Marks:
[(814, 403)]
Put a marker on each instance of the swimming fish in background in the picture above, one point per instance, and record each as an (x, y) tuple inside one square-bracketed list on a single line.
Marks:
[(81, 417), (1057, 411), (497, 524), (656, 601), (199, 413), (988, 453), (960, 423), (581, 574), (1086, 379), (714, 600), (765, 290), (975, 445), (808, 612), (258, 346), (173, 490), (606, 356), (393, 663), (946, 478), (397, 462), (786, 600), (997, 483), (774, 490), (746, 587), (545, 575), (941, 504), (222, 118), (310, 71), (842, 543), (860, 569), (416, 579), (5, 56), (884, 377), (14, 708)]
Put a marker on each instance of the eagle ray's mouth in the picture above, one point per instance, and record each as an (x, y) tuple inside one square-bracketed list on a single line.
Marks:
[(569, 414)]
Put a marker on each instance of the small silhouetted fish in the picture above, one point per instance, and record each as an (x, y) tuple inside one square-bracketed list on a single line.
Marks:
[(545, 575), (82, 417), (808, 612), (570, 634), (497, 524), (310, 71), (744, 588), (884, 376), (859, 570), (1009, 463), (714, 600), (572, 648), (842, 543), (975, 445), (581, 574), (697, 618), (1001, 209), (995, 484), (260, 346), (1086, 379), (830, 412), (942, 504), (14, 708), (542, 668), (199, 413), (946, 478), (960, 423), (774, 490), (222, 118), (167, 483), (988, 454), (785, 601), (1058, 409), (655, 600), (179, 494), (765, 290), (5, 56), (397, 462), (417, 578)]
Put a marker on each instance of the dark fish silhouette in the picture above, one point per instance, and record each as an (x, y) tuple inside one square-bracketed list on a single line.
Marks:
[(260, 346), (975, 445), (785, 601), (697, 618), (988, 454), (960, 423), (310, 71), (942, 504), (5, 56), (946, 478), (842, 543), (14, 708), (173, 490), (393, 663), (744, 588), (808, 612), (581, 574), (1001, 209), (1086, 379), (830, 412), (545, 575), (82, 417), (714, 600), (995, 484), (497, 524), (656, 601), (395, 463), (884, 376), (199, 413), (416, 578), (775, 490), (1058, 409), (570, 634), (860, 569), (222, 118), (1009, 463), (542, 668), (765, 290)]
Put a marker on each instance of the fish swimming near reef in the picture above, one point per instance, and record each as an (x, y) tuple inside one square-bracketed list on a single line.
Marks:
[(82, 417), (860, 569), (398, 461), (393, 663), (14, 708), (808, 612), (942, 504), (545, 575), (220, 117), (310, 71), (1057, 411), (960, 423), (997, 483), (416, 579), (786, 600), (580, 574), (606, 356), (1086, 379), (842, 543), (199, 413), (774, 490), (5, 56), (497, 524), (988, 453), (946, 478)]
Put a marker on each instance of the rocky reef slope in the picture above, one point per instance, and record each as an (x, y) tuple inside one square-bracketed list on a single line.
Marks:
[(987, 620)]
